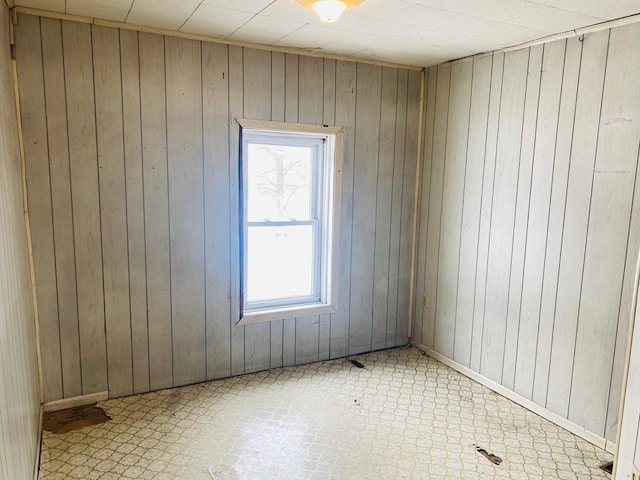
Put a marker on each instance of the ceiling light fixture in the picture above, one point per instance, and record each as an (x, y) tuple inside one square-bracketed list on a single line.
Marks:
[(329, 10)]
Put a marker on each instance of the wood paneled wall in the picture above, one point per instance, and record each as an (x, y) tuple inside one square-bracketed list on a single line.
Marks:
[(19, 384), (530, 220), (636, 461), (628, 448), (131, 152)]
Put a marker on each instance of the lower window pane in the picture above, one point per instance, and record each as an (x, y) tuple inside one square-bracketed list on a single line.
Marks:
[(279, 263)]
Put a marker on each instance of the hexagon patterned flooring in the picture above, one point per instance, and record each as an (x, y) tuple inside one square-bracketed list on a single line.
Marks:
[(404, 416)]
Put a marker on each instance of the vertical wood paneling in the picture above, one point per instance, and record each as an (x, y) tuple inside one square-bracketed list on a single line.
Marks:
[(556, 217), (329, 93), (215, 127), (423, 206), (81, 117), (435, 200), (637, 454), (585, 136), (367, 130), (412, 118), (19, 389), (113, 204), (257, 104), (236, 110), (522, 215), (345, 115), (310, 106), (503, 212), (628, 449), (626, 301), (61, 196), (291, 82), (396, 208), (328, 118), (497, 69), (277, 114), (549, 232), (156, 209), (636, 461), (134, 182), (30, 74), (158, 117), (628, 439), (608, 230), (455, 164), (186, 209), (475, 147), (540, 197), (624, 316), (384, 190)]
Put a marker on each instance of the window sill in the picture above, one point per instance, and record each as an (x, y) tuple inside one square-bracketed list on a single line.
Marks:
[(282, 313)]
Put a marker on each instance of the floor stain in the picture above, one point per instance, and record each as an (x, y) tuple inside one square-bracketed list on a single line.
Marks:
[(489, 456), (67, 420)]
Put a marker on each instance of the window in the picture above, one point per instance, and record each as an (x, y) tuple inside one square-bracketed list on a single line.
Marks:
[(289, 217)]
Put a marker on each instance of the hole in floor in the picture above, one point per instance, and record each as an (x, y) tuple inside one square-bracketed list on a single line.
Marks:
[(69, 419), (607, 467)]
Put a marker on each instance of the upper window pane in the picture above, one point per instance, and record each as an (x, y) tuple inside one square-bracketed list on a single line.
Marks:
[(279, 179)]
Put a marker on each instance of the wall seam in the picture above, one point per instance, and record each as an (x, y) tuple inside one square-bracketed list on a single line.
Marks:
[(416, 204)]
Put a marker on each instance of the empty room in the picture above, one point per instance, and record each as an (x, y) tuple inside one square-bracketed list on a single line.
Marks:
[(319, 239)]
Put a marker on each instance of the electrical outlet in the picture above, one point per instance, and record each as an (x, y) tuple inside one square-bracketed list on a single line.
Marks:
[(424, 300)]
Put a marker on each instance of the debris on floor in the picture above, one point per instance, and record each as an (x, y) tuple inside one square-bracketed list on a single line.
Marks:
[(607, 467), (216, 474), (63, 421), (489, 456), (356, 363)]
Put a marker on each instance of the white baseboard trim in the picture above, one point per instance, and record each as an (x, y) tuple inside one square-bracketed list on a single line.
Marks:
[(553, 417), (75, 401)]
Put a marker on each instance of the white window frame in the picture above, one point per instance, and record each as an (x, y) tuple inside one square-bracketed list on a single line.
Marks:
[(327, 207)]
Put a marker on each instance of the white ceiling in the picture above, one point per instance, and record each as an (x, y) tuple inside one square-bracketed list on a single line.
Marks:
[(412, 32)]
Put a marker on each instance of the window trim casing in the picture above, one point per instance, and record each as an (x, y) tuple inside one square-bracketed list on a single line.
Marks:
[(316, 220), (332, 210)]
